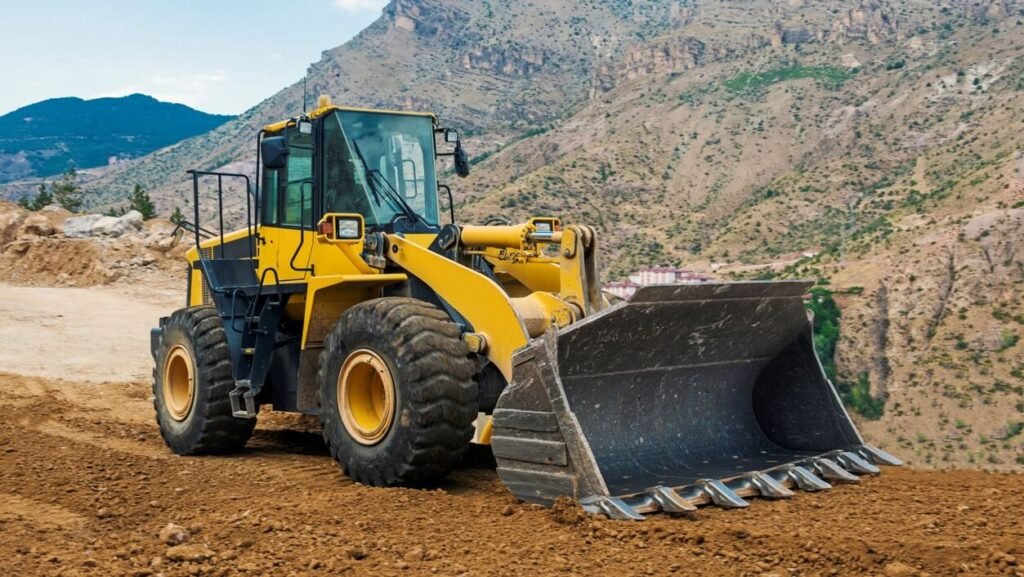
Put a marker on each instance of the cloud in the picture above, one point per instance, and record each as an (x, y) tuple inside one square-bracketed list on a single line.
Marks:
[(360, 5)]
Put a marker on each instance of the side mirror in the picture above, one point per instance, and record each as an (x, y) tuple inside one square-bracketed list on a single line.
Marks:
[(461, 160), (451, 136), (274, 152)]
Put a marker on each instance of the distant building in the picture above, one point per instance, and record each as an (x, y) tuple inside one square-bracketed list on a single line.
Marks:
[(653, 276)]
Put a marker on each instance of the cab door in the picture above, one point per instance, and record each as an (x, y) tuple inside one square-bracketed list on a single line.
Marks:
[(266, 244), (287, 212)]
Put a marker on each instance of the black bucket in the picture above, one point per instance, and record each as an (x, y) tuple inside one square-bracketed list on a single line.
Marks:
[(680, 385)]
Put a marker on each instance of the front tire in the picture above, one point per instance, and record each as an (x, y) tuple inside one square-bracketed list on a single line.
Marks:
[(397, 396), (192, 381)]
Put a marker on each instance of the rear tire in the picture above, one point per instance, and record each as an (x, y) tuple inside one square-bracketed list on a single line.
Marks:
[(191, 385), (397, 395)]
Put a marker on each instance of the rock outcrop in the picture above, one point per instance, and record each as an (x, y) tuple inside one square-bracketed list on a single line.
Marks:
[(96, 225), (51, 247)]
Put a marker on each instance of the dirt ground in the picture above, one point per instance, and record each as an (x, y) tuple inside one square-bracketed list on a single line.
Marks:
[(88, 488)]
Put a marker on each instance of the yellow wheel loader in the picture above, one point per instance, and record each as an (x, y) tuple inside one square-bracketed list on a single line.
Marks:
[(345, 296)]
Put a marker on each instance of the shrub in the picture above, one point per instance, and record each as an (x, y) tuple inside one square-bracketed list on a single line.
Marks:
[(66, 191), (856, 395), (43, 198), (139, 200)]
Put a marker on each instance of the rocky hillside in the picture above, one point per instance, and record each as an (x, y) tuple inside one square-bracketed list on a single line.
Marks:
[(873, 145), (874, 148), (48, 137)]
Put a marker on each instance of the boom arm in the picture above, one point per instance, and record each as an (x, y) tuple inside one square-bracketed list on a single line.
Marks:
[(502, 324), (477, 298)]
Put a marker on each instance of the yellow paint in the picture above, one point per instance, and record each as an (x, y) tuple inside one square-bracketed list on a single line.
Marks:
[(195, 288), (277, 246), (534, 276), (211, 243), (366, 396), (327, 297), (511, 236), (539, 310), (579, 283), (484, 438), (477, 298), (422, 239), (179, 386)]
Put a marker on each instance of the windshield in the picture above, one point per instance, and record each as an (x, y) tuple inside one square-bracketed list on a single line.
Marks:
[(374, 163)]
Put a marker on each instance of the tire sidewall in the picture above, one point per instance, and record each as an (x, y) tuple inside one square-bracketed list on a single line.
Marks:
[(180, 435), (374, 462)]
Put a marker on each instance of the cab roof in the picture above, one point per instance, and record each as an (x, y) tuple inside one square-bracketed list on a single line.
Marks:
[(325, 108)]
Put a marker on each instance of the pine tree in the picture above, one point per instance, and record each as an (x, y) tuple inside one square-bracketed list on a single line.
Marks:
[(139, 200), (43, 199), (177, 217), (67, 192)]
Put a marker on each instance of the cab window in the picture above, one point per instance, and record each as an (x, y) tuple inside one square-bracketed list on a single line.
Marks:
[(268, 202), (297, 205)]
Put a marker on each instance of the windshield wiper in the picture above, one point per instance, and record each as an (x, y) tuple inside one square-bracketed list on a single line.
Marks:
[(393, 195), (366, 170)]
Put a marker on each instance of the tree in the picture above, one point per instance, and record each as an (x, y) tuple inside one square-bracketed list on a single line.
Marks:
[(43, 199), (139, 200), (177, 217), (66, 191)]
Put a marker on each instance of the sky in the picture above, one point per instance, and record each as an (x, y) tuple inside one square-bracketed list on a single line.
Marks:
[(219, 56)]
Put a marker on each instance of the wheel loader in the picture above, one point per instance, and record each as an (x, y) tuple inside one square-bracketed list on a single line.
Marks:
[(347, 296)]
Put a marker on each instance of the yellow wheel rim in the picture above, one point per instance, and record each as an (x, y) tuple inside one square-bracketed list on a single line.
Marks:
[(366, 396), (179, 383)]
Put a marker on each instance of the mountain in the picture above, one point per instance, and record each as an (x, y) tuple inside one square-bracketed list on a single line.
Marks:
[(47, 137), (871, 145), (874, 147)]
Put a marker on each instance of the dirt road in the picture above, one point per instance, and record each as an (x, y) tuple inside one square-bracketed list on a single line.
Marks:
[(91, 334), (87, 487)]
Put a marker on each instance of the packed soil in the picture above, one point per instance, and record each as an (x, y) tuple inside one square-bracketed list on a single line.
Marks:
[(87, 487)]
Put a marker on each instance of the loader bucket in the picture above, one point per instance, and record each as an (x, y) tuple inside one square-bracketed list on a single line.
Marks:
[(681, 396)]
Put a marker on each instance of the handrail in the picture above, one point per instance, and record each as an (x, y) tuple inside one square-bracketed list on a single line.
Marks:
[(302, 225), (196, 174)]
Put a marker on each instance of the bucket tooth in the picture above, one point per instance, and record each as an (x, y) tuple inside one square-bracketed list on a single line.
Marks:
[(805, 479), (854, 462), (879, 456), (720, 494), (613, 507), (768, 487), (828, 469), (670, 501)]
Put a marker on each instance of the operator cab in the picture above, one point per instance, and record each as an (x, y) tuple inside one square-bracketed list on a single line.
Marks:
[(378, 164)]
